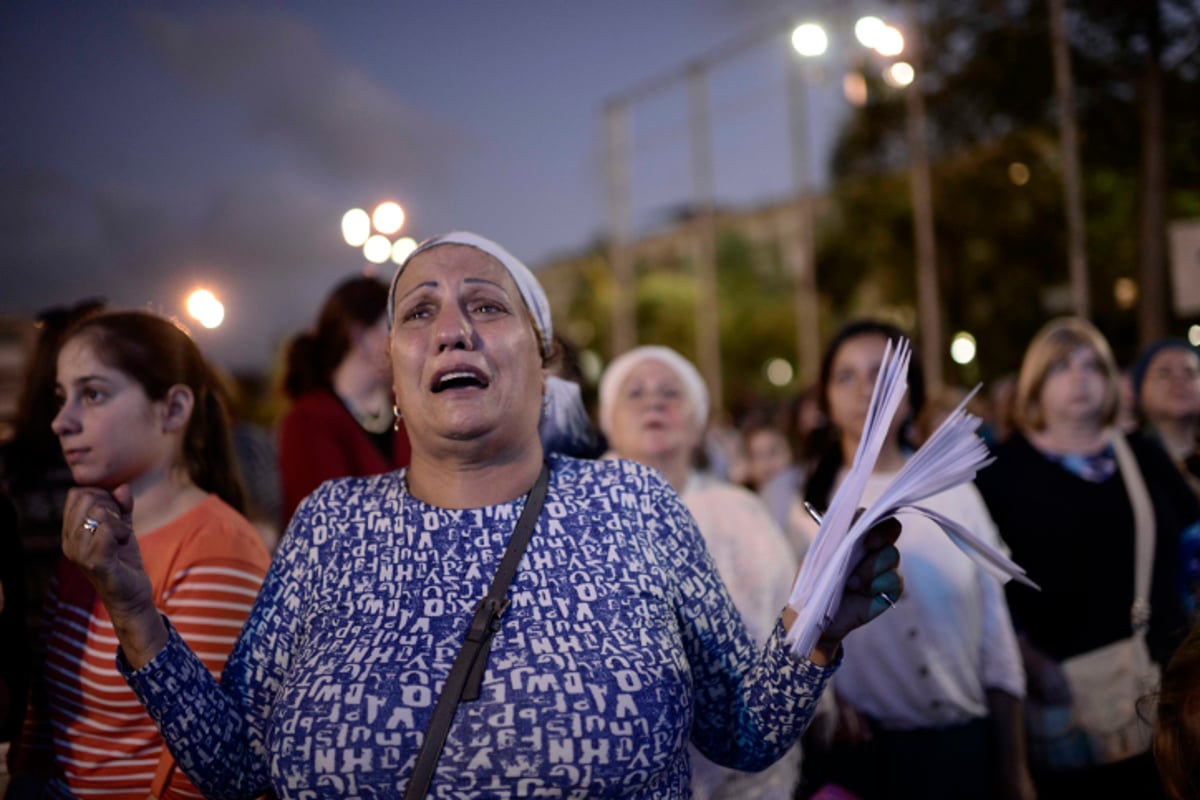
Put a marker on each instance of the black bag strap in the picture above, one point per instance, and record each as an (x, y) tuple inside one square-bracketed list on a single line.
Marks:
[(467, 673)]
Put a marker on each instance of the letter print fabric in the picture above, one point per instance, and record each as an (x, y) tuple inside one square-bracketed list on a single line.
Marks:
[(618, 630)]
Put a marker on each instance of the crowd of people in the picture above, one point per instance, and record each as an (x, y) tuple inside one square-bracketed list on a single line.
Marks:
[(476, 589)]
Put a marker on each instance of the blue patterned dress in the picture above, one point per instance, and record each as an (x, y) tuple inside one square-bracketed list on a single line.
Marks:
[(620, 644)]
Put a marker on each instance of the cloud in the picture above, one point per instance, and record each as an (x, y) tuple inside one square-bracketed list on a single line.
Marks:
[(268, 243), (34, 202), (254, 215), (276, 72)]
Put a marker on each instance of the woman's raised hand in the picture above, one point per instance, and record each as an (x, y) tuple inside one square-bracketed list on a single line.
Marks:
[(98, 536)]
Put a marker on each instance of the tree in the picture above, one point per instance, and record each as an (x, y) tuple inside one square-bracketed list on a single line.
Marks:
[(997, 196), (755, 312)]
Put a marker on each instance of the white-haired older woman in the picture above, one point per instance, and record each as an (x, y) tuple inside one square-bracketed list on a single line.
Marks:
[(654, 409), (618, 642)]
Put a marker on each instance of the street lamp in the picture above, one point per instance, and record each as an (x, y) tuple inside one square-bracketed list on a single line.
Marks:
[(867, 30), (962, 348), (899, 74), (377, 249), (886, 40), (356, 227), (373, 233), (810, 40), (875, 34), (402, 248), (204, 307), (388, 217)]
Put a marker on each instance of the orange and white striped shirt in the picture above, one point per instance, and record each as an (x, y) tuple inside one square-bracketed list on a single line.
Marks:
[(206, 568)]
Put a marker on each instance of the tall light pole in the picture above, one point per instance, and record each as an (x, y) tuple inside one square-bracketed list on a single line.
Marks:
[(809, 41), (708, 324), (799, 237), (929, 302), (624, 319), (887, 41), (1064, 89), (694, 75)]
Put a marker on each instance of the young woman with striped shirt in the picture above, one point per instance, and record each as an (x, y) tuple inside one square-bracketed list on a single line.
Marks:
[(141, 422)]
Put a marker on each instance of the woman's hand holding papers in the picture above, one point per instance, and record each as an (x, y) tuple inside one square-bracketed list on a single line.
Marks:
[(874, 585)]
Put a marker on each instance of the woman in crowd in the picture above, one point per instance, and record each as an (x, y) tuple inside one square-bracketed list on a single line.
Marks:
[(1065, 492), (32, 470), (653, 409), (340, 423), (618, 640), (1166, 391), (776, 477), (929, 699), (142, 425), (805, 418), (1166, 386)]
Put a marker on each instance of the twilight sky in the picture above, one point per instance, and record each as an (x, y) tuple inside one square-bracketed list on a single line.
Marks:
[(148, 148)]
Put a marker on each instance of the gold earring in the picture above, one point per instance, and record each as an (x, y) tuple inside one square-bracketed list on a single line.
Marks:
[(398, 416)]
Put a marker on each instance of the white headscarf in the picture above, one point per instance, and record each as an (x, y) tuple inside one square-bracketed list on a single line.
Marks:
[(620, 368), (564, 425)]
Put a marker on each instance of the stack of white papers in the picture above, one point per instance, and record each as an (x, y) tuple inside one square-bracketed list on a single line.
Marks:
[(952, 455)]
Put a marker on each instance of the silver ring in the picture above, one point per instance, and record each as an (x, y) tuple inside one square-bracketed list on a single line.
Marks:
[(888, 598), (90, 524)]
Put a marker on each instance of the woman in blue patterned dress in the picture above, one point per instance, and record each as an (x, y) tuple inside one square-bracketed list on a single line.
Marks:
[(619, 645)]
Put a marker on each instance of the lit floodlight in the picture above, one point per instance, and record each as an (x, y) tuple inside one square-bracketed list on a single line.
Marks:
[(962, 348), (388, 218), (867, 29), (402, 248), (890, 42), (356, 227), (377, 249), (899, 75), (205, 308), (810, 40), (779, 372), (1194, 335)]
